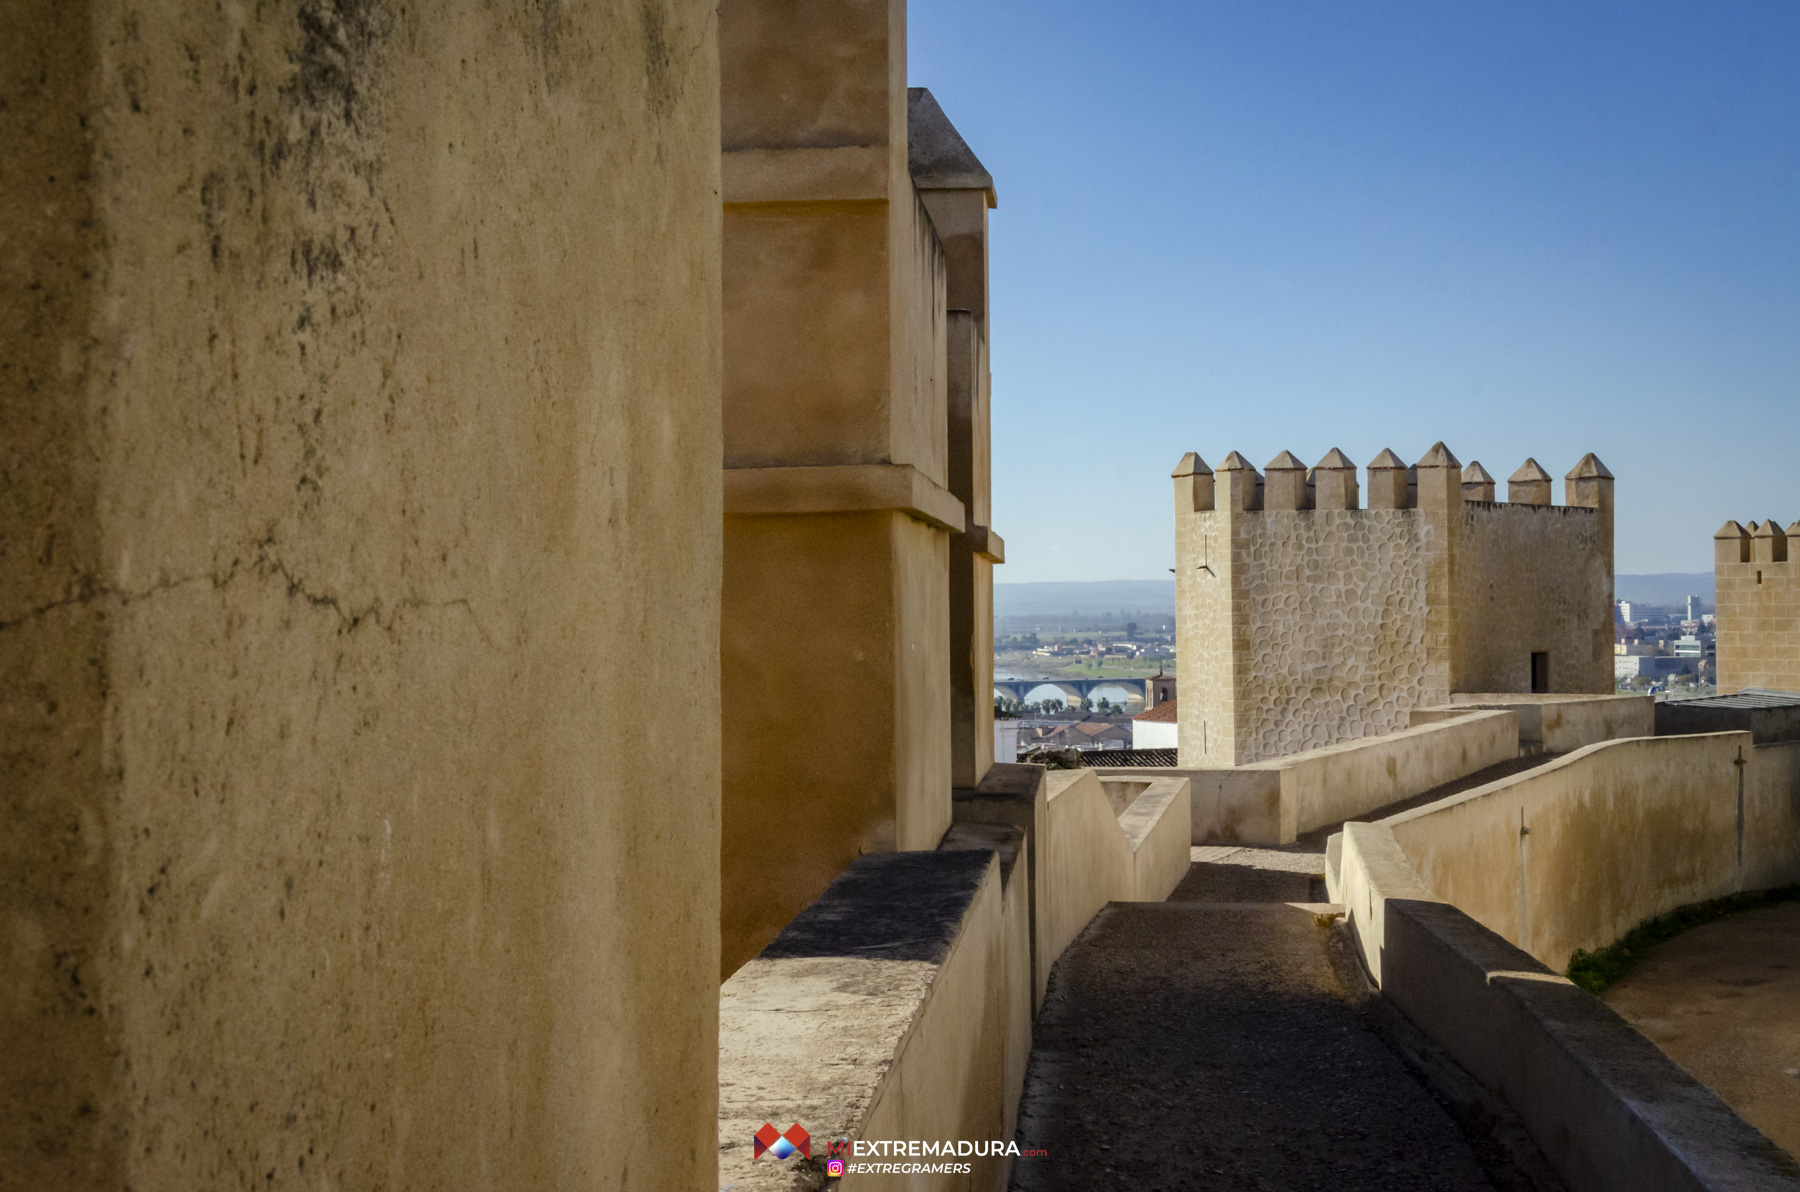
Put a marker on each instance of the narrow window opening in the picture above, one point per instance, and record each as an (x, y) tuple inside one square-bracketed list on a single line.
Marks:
[(1759, 577), (1540, 673)]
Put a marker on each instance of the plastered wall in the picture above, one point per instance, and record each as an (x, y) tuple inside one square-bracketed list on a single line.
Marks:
[(1577, 852), (359, 387), (836, 664), (1531, 578)]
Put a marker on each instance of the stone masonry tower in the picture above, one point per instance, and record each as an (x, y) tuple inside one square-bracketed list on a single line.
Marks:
[(1304, 619)]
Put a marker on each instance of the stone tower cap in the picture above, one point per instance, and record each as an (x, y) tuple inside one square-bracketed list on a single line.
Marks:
[(1476, 474), (1438, 457), (1191, 465), (937, 157), (1731, 530), (1387, 459), (1236, 463), (1766, 529), (1285, 462), (1528, 472), (1793, 531), (1590, 468), (1335, 459)]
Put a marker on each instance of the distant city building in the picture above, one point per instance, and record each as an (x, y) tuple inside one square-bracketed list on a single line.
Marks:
[(1156, 729), (1693, 608), (1687, 646), (1648, 666), (1006, 737), (1626, 610)]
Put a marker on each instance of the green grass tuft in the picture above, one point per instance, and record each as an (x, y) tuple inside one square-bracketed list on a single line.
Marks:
[(1594, 971)]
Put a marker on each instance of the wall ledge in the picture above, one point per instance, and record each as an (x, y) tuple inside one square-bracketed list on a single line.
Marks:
[(842, 488)]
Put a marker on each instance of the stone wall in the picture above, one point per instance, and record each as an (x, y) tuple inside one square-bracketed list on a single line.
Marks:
[(359, 387), (1579, 851), (1334, 605), (1531, 578)]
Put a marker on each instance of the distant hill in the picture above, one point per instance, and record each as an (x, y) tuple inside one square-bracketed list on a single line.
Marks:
[(1085, 599), (1097, 598), (1668, 588)]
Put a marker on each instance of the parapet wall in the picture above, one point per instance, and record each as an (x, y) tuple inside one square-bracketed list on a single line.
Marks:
[(899, 1004), (1604, 1105), (1558, 723), (1756, 574), (1305, 619), (1275, 801), (1575, 853)]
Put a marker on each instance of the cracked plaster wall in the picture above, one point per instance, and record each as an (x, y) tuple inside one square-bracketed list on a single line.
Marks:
[(359, 511)]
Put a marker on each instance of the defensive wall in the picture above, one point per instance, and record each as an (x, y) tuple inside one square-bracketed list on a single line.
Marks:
[(359, 387), (899, 1004), (1575, 853), (1306, 619), (1275, 801), (1756, 572), (1604, 1105), (1558, 723)]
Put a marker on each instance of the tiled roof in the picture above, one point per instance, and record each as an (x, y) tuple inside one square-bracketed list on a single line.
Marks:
[(1749, 697), (1163, 713), (1100, 759)]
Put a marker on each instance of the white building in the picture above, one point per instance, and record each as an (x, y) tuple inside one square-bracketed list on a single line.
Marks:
[(1155, 729)]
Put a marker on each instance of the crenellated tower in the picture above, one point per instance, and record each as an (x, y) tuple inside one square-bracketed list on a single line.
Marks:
[(1306, 617), (1757, 603)]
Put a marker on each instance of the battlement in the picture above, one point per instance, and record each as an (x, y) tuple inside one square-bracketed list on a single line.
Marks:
[(1758, 542), (1756, 580), (1287, 484)]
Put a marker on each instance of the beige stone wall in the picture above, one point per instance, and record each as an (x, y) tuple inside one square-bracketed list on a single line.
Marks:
[(1577, 852), (359, 385), (1304, 620), (1334, 604), (840, 573), (1758, 607), (1532, 578), (1207, 661)]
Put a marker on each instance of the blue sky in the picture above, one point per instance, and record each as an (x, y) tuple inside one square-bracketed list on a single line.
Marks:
[(1525, 229)]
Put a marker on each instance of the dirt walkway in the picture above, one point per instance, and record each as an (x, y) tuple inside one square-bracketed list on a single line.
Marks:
[(1206, 1043), (1723, 1000)]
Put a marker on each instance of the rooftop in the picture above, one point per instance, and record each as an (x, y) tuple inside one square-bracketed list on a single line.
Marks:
[(1163, 713)]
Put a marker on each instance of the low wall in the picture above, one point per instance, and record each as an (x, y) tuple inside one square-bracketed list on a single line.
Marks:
[(1604, 1105), (1772, 816), (895, 1007), (1563, 723), (1578, 851), (1273, 802), (899, 1005), (1092, 856)]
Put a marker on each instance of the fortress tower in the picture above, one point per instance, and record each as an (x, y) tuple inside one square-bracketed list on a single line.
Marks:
[(1758, 605), (1305, 619)]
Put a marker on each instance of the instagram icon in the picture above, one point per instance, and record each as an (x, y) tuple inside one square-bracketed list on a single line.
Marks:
[(834, 1168)]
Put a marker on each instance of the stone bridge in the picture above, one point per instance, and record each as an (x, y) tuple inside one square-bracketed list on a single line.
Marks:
[(1136, 690)]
